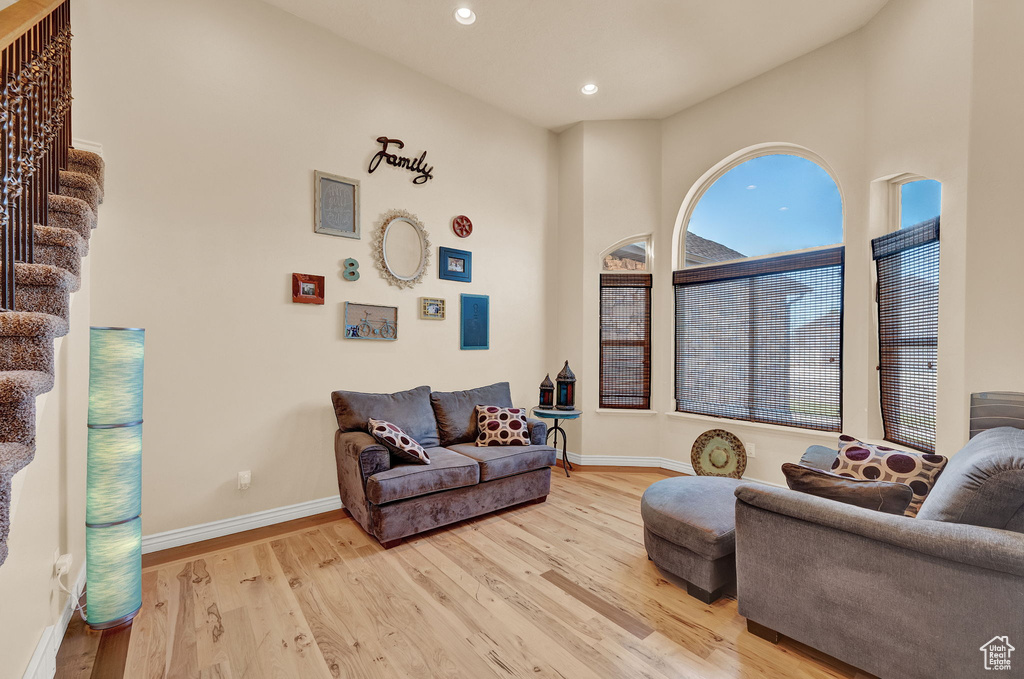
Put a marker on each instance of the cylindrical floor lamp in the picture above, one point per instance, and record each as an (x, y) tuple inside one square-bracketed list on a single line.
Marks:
[(113, 526)]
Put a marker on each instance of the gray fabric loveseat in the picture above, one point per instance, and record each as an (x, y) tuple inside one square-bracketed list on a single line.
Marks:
[(896, 596), (392, 499)]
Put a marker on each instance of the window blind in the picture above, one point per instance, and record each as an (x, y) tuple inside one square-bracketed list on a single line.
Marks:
[(908, 332), (761, 340), (625, 377)]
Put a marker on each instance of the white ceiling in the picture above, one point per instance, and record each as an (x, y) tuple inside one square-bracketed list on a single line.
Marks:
[(650, 58)]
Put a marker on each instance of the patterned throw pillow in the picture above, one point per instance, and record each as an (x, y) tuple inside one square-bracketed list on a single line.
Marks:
[(501, 426), (920, 471), (397, 441)]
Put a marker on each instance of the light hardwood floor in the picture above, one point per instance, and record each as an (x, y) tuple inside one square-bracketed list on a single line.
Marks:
[(559, 589)]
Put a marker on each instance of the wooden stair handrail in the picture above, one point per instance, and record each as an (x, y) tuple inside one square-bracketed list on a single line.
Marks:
[(21, 16)]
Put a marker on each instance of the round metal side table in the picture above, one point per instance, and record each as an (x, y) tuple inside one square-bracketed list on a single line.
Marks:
[(557, 416)]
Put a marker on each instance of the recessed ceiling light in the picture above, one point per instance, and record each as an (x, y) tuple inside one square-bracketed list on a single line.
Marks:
[(465, 16), (589, 88)]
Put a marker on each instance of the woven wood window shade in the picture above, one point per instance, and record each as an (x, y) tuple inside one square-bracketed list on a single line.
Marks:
[(625, 341), (761, 340), (908, 332)]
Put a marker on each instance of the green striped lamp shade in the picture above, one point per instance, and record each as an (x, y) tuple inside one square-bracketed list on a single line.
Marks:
[(113, 527)]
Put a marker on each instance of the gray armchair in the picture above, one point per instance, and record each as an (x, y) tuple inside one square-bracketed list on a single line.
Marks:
[(892, 595)]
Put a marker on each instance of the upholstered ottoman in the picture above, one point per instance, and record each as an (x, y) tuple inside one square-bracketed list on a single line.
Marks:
[(690, 531)]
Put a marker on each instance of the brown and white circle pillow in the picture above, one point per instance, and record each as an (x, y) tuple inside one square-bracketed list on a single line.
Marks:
[(501, 426), (920, 471), (397, 441)]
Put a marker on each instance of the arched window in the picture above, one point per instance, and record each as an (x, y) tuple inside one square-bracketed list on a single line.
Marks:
[(625, 358), (764, 206), (907, 262), (759, 293)]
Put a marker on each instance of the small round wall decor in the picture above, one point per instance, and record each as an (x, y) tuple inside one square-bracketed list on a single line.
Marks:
[(717, 452), (351, 272), (462, 226)]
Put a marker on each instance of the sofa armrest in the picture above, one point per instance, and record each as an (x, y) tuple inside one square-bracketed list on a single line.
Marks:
[(359, 457), (538, 431), (978, 546), (369, 456)]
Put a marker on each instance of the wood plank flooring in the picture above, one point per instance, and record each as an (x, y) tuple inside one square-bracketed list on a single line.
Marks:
[(559, 589)]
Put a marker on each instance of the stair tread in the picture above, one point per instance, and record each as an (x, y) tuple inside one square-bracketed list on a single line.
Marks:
[(58, 236), (79, 180), (32, 324), (88, 163), (82, 186), (42, 275), (14, 456), (19, 385)]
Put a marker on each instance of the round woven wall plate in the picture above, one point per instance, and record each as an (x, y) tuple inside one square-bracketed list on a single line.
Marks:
[(716, 452)]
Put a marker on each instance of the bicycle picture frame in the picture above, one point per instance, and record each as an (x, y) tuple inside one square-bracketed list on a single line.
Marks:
[(371, 322)]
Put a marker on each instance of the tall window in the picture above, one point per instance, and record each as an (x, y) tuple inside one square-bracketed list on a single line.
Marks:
[(625, 367), (908, 317), (759, 337)]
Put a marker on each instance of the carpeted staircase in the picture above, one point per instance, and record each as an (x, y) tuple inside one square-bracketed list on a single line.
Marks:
[(42, 296)]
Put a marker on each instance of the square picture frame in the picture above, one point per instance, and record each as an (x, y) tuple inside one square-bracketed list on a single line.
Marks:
[(335, 205), (475, 322), (432, 308), (454, 264), (307, 288), (371, 321)]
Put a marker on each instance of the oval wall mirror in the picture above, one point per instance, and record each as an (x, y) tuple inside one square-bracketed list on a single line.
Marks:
[(402, 248)]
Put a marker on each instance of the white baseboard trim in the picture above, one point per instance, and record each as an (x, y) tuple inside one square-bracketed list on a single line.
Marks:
[(85, 145), (630, 461), (237, 524), (652, 462), (215, 529), (43, 664)]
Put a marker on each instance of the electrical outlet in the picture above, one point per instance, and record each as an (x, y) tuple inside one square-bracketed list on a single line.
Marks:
[(751, 449), (244, 480), (62, 565)]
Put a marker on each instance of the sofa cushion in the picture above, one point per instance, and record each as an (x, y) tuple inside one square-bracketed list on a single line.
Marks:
[(409, 410), (447, 470), (819, 457), (499, 461), (983, 484), (882, 496), (501, 426), (920, 471), (456, 410), (695, 512), (397, 442)]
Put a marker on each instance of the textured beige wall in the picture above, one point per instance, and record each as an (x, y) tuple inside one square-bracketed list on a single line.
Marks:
[(995, 242), (213, 116), (49, 499), (918, 65), (621, 196)]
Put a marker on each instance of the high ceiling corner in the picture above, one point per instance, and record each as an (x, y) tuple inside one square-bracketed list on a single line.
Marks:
[(650, 58)]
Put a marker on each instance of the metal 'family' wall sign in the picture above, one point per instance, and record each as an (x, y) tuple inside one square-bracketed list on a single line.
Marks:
[(417, 165)]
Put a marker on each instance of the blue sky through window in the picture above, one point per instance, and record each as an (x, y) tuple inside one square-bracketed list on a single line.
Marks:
[(770, 204), (919, 201)]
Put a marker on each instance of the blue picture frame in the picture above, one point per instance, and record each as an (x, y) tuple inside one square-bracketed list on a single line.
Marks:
[(475, 322), (454, 265)]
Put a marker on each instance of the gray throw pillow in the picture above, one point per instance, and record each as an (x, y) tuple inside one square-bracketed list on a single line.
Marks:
[(882, 496), (983, 484), (456, 410), (409, 410)]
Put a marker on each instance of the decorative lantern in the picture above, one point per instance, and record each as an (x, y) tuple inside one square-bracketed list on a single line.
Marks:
[(547, 393), (113, 503), (566, 389)]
